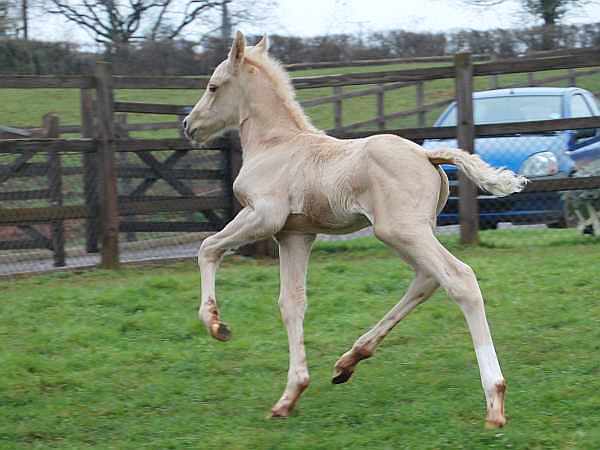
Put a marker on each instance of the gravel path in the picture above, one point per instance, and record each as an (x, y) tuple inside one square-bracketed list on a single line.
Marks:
[(175, 251)]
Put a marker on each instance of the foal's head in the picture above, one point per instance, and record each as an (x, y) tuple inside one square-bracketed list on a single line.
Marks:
[(218, 108)]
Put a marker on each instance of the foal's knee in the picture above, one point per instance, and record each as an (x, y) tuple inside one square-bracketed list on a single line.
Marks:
[(208, 252)]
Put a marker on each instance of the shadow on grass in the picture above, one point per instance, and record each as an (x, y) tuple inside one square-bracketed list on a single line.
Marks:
[(489, 239)]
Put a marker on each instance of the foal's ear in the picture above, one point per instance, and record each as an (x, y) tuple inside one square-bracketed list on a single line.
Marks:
[(263, 45), (236, 54)]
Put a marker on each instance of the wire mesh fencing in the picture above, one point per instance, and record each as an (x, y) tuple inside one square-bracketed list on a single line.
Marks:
[(168, 201), (36, 189), (171, 178)]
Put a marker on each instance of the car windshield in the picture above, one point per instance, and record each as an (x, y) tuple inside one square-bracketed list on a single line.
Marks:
[(522, 108)]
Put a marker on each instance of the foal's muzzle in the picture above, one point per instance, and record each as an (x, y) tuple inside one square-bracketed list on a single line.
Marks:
[(184, 124), (189, 134)]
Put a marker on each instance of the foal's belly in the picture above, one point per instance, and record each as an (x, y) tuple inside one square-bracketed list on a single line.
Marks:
[(302, 223)]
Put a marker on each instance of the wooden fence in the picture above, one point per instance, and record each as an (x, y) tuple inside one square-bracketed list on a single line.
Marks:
[(106, 211), (557, 59), (102, 141)]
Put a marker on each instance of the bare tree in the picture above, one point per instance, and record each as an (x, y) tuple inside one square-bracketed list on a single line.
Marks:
[(14, 18), (550, 11), (25, 19), (5, 19), (116, 23)]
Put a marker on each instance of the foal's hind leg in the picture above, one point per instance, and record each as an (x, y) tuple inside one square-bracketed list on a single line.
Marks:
[(294, 251), (421, 288), (424, 252)]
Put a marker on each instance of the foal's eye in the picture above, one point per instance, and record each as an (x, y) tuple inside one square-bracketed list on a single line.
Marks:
[(212, 88)]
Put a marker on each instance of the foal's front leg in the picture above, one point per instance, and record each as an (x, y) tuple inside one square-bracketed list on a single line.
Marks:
[(261, 221), (294, 251)]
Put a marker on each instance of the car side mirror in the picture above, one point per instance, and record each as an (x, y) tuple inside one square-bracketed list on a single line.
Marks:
[(584, 133)]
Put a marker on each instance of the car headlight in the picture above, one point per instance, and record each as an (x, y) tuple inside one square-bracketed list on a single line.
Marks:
[(540, 165)]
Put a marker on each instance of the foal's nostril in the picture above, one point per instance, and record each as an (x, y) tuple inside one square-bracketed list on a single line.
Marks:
[(184, 124)]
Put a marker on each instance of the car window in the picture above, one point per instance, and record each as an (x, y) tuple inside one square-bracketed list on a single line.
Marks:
[(579, 107), (512, 108)]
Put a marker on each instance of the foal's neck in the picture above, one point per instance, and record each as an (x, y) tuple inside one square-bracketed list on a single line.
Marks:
[(268, 117)]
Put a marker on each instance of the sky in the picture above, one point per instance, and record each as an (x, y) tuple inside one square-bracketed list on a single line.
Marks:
[(311, 17), (317, 17)]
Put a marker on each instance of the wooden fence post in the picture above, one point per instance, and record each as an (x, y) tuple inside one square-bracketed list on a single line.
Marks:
[(57, 230), (107, 173), (90, 172), (493, 80), (381, 107), (420, 100), (337, 108), (572, 78), (467, 202), (530, 79)]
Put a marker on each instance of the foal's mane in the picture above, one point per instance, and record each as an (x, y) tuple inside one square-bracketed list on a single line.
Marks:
[(283, 88)]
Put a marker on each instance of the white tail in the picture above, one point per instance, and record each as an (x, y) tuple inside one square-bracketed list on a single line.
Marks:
[(499, 182)]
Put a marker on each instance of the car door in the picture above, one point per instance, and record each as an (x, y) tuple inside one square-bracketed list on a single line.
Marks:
[(584, 144)]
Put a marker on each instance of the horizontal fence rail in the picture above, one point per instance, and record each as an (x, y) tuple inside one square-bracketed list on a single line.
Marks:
[(422, 59), (562, 184), (90, 145), (151, 108), (47, 81), (488, 130), (132, 207), (376, 62)]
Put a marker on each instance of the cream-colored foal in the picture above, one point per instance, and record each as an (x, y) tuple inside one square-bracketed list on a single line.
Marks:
[(296, 181)]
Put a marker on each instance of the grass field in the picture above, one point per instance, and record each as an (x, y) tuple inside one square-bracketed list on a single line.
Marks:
[(65, 102), (118, 360)]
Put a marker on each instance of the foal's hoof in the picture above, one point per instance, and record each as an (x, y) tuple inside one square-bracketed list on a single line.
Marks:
[(494, 424), (344, 367), (341, 375), (279, 413), (220, 331)]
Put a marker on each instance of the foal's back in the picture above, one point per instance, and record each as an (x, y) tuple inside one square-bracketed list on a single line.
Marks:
[(332, 181)]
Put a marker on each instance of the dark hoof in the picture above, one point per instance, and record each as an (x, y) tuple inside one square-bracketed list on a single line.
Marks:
[(279, 414), (220, 331), (341, 376)]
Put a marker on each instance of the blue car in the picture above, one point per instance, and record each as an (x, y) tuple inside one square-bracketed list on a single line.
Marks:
[(543, 155)]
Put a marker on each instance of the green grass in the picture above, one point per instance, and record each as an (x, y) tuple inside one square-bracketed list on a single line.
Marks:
[(118, 360), (65, 102)]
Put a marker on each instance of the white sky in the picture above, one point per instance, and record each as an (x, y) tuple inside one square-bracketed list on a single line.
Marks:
[(313, 17)]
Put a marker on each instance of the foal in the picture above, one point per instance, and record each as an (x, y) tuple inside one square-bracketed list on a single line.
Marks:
[(296, 181)]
